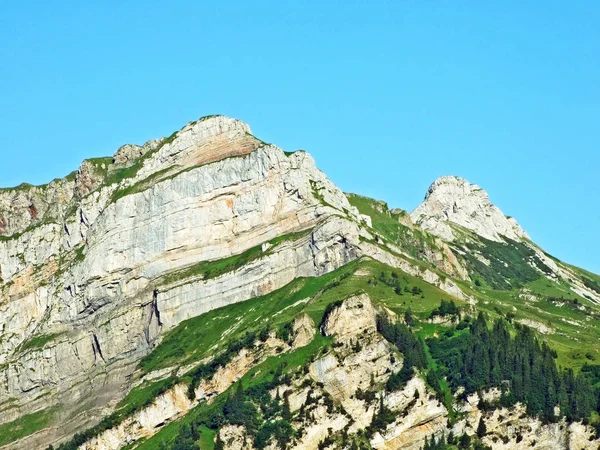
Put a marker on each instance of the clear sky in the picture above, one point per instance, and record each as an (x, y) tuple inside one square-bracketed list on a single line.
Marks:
[(386, 96)]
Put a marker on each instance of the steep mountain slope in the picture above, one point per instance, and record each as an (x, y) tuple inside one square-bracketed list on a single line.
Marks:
[(86, 298), (454, 209), (510, 272), (96, 267), (213, 280)]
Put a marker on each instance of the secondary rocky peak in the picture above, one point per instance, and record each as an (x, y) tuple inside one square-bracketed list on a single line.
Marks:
[(452, 199), (127, 154)]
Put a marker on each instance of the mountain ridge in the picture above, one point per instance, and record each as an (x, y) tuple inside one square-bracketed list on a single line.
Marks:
[(100, 269)]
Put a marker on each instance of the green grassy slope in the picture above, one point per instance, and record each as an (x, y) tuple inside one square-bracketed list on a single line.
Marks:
[(413, 241), (513, 285), (209, 334), (191, 341), (25, 425)]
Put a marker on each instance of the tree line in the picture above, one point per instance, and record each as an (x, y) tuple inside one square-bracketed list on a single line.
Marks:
[(522, 367)]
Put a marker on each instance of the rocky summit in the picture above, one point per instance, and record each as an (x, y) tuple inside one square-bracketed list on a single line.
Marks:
[(454, 201), (209, 290)]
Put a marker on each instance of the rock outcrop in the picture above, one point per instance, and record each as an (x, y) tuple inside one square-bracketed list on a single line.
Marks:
[(453, 200), (512, 429)]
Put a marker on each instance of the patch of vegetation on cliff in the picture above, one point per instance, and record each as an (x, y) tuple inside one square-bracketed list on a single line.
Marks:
[(411, 347), (23, 187), (38, 342), (116, 176), (33, 226), (101, 165), (210, 116), (591, 284), (511, 263), (20, 187), (140, 186), (25, 425), (582, 272), (72, 176), (216, 268), (159, 176), (144, 395), (317, 194)]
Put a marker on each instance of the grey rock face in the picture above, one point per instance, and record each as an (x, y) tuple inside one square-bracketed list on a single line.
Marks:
[(453, 200), (128, 154)]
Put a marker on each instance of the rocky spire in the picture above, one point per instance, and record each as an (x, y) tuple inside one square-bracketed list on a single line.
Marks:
[(455, 200)]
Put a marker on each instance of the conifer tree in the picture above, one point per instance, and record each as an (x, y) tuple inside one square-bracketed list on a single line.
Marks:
[(481, 428)]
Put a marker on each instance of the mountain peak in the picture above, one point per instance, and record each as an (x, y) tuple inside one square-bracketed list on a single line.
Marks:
[(206, 140), (198, 131), (452, 199)]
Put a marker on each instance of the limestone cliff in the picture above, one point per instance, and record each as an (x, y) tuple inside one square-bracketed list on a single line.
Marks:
[(91, 282)]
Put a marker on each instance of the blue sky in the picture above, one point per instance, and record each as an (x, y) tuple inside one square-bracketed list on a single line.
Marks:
[(387, 96)]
